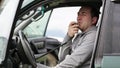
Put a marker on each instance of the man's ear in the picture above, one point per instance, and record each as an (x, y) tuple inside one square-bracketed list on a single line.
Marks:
[(94, 20)]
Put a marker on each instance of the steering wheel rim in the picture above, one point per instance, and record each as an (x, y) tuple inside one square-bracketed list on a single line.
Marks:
[(25, 47)]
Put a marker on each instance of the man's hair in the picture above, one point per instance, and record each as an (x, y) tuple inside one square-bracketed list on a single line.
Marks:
[(95, 11)]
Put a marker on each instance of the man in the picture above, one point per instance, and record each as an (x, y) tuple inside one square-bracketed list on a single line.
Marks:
[(78, 50)]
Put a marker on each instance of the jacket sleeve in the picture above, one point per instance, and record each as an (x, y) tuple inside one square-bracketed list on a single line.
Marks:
[(80, 54), (64, 50)]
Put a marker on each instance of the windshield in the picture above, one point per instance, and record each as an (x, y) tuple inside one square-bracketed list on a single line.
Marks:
[(6, 20)]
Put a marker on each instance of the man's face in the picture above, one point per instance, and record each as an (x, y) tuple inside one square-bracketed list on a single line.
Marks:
[(84, 18)]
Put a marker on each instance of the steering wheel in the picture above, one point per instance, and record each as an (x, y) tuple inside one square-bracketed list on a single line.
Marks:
[(25, 51)]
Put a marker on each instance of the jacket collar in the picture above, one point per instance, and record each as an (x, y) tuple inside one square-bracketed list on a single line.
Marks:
[(90, 29)]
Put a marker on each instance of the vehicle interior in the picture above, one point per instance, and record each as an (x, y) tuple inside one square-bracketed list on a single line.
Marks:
[(29, 47)]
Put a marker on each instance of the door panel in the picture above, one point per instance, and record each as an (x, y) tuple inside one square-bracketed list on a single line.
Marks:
[(109, 39)]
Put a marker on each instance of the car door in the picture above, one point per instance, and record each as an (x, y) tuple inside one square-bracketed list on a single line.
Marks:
[(108, 46)]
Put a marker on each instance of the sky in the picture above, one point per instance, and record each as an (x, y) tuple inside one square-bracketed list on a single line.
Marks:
[(60, 20)]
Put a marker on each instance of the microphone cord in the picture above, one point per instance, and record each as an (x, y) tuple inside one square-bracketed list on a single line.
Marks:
[(53, 49)]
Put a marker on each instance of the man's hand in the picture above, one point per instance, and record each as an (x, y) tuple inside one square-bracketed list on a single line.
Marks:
[(73, 29)]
